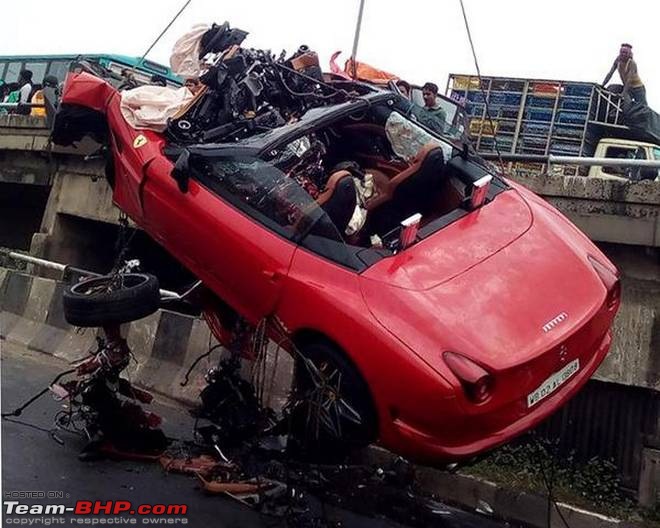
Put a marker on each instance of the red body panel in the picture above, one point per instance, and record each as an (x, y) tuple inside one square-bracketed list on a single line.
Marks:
[(238, 259), (484, 287), (457, 247)]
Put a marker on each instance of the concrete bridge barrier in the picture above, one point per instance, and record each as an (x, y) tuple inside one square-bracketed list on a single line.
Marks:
[(164, 344)]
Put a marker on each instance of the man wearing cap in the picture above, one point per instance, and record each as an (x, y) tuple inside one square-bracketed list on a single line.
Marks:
[(627, 67)]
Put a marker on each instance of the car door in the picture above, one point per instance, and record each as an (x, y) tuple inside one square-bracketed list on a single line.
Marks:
[(133, 151), (230, 228)]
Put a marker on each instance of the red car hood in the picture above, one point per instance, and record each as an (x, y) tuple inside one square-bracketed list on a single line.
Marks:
[(485, 289), (457, 247)]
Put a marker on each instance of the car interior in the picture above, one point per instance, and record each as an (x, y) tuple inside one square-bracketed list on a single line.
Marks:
[(370, 172)]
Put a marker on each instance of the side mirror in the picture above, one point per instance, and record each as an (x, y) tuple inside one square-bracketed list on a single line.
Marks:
[(181, 170)]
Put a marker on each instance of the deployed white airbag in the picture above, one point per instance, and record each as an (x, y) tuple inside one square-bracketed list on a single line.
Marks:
[(185, 54), (149, 107)]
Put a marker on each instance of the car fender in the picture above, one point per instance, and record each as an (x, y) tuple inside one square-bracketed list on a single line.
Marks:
[(325, 299)]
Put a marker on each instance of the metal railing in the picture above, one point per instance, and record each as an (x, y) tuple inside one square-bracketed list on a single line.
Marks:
[(607, 108), (602, 162), (573, 160), (22, 105), (166, 295)]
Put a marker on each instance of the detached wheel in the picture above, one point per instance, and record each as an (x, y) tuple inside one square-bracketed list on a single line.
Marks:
[(332, 411), (111, 299)]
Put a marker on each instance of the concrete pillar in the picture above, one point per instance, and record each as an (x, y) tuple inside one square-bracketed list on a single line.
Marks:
[(649, 480)]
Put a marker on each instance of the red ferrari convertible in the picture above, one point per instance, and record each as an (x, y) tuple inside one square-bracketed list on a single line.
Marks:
[(446, 308)]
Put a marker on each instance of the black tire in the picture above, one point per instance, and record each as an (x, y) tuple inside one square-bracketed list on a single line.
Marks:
[(99, 302), (320, 443)]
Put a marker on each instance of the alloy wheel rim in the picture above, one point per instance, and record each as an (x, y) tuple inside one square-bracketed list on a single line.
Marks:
[(327, 406)]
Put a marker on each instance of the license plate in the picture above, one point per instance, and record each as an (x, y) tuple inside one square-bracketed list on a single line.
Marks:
[(553, 383)]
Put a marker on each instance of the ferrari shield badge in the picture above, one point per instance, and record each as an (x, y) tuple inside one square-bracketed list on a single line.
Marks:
[(140, 141)]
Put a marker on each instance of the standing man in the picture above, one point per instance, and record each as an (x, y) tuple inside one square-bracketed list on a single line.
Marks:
[(627, 68), (430, 95), (25, 91)]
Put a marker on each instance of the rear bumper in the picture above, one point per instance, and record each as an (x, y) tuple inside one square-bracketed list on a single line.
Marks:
[(420, 446)]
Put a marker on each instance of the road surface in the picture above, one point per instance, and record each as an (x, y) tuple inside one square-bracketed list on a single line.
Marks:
[(32, 461)]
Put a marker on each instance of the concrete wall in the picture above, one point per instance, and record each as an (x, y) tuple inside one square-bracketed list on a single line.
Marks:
[(607, 210), (18, 132), (165, 344), (79, 198), (635, 355)]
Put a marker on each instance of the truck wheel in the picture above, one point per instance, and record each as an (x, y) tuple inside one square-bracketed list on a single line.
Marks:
[(332, 411), (111, 299)]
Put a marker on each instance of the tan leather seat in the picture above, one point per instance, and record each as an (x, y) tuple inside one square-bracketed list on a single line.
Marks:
[(339, 199), (331, 185), (386, 191)]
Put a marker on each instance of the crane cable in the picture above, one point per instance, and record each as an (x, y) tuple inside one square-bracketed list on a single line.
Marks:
[(141, 59), (481, 87)]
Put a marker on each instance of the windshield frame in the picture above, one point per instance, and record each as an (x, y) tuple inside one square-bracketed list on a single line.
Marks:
[(263, 144)]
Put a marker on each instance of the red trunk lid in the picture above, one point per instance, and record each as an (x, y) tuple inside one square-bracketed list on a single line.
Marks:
[(485, 288), (458, 246)]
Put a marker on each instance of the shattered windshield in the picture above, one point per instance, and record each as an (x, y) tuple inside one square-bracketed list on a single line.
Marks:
[(263, 191), (276, 199)]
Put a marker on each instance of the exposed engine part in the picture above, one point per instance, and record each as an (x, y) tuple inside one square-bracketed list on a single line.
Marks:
[(231, 405), (219, 38), (249, 91), (104, 407), (309, 171)]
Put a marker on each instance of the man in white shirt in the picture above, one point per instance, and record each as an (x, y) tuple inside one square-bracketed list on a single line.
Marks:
[(25, 82)]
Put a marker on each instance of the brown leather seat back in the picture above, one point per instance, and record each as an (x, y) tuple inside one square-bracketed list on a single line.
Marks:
[(414, 166), (330, 186), (385, 191)]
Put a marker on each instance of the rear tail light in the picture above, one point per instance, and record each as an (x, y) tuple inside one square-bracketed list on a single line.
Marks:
[(476, 381), (611, 281)]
